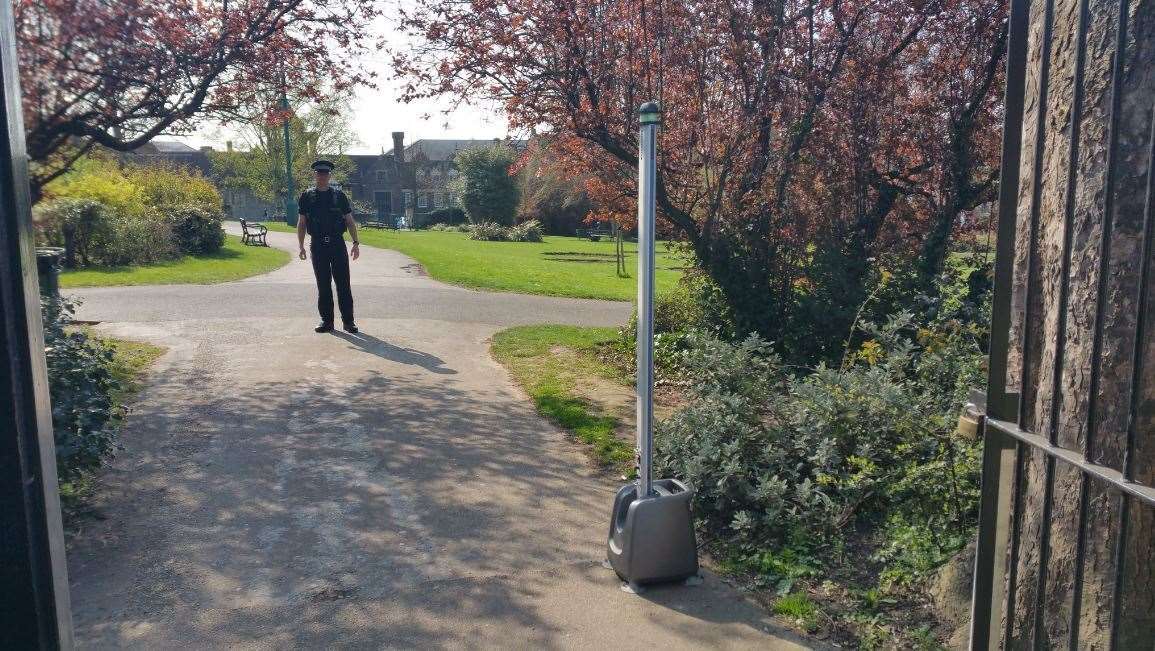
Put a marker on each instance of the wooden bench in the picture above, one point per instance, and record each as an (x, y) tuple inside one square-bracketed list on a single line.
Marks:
[(253, 233)]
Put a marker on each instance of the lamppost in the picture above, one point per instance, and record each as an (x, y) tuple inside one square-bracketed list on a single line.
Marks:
[(290, 190), (651, 530)]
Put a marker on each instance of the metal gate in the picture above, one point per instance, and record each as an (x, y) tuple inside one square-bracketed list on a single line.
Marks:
[(1009, 443)]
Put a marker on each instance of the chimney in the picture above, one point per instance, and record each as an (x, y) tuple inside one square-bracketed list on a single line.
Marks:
[(229, 145), (399, 146)]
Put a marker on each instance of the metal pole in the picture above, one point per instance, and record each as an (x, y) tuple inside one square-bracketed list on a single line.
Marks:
[(290, 190), (649, 117)]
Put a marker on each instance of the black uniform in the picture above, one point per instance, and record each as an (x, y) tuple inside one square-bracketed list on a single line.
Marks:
[(325, 212)]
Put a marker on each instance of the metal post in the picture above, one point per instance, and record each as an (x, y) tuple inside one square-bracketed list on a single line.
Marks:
[(290, 190), (1000, 456), (34, 609), (649, 117)]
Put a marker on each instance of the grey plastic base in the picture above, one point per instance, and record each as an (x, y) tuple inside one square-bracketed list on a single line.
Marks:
[(652, 540)]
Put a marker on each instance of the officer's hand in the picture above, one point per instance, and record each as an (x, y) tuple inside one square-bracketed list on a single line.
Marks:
[(302, 255), (356, 251)]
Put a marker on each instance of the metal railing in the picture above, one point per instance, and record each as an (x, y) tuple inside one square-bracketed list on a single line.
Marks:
[(1008, 441)]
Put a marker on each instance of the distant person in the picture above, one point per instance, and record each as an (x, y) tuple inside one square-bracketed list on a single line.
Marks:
[(325, 214), (266, 215)]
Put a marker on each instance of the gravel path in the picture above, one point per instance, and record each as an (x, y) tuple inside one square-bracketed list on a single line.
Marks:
[(283, 489)]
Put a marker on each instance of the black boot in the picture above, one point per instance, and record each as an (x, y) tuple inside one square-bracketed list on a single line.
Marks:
[(351, 327), (324, 326)]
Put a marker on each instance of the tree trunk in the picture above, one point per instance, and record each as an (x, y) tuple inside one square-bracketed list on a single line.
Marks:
[(1072, 387)]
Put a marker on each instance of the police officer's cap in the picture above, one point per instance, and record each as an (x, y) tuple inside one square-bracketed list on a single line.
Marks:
[(323, 166)]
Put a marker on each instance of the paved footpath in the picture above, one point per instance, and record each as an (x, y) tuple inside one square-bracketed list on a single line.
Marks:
[(393, 489)]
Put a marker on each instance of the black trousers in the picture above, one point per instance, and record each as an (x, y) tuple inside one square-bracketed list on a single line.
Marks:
[(331, 265)]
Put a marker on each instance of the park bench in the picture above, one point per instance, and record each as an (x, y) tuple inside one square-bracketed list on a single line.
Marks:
[(594, 234), (366, 222), (253, 233)]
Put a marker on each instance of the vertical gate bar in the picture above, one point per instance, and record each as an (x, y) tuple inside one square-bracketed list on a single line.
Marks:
[(1059, 363), (1100, 299), (997, 493), (1107, 229), (998, 403), (1044, 549), (1036, 195), (1137, 366), (991, 551), (1080, 553), (1068, 234), (1136, 381), (1120, 573), (1021, 453)]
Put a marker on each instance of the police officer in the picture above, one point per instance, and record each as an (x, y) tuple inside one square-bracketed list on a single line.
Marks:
[(325, 214)]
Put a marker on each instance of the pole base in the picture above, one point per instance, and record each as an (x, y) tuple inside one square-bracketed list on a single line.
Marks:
[(652, 540)]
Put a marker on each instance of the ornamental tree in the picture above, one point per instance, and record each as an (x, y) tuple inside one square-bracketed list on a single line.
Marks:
[(117, 74), (803, 140)]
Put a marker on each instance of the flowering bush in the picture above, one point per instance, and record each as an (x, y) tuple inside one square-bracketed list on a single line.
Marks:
[(489, 232)]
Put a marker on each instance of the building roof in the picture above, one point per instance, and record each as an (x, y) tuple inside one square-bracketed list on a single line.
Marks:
[(167, 147), (446, 149)]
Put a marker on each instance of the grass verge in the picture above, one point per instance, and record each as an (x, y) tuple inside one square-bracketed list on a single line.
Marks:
[(130, 360), (233, 262), (555, 366), (559, 266)]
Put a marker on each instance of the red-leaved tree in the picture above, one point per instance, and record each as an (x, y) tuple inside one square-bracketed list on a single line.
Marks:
[(117, 74), (801, 139)]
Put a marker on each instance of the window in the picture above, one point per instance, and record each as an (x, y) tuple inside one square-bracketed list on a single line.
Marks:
[(422, 201), (438, 200), (408, 197), (435, 174), (382, 176)]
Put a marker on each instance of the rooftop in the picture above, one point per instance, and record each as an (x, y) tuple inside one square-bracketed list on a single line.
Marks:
[(446, 149)]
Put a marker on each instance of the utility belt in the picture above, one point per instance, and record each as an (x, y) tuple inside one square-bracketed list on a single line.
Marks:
[(327, 240)]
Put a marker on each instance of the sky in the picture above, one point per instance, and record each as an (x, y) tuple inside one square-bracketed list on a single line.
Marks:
[(376, 113)]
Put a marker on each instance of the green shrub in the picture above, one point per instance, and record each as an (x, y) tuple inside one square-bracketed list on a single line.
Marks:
[(138, 240), (489, 232), (196, 230), (94, 235), (489, 193), (82, 226), (107, 214), (447, 216), (529, 231), (102, 180), (778, 458), (81, 387), (168, 187)]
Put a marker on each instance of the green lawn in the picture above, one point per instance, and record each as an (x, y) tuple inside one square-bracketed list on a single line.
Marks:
[(548, 362), (559, 266), (233, 262)]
